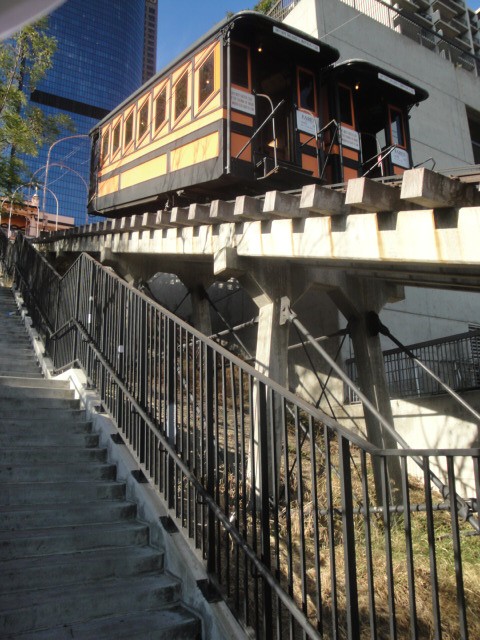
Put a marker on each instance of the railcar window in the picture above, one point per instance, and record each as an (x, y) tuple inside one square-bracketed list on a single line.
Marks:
[(105, 143), (239, 64), (116, 138), (345, 104), (129, 129), (143, 120), (306, 90), (206, 78), (160, 108), (396, 126), (181, 95)]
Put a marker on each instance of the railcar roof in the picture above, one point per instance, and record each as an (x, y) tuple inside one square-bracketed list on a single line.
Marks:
[(411, 93), (329, 54)]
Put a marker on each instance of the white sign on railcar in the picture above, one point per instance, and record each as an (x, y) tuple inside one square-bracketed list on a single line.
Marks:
[(400, 158), (298, 39), (307, 123), (396, 83), (350, 138), (243, 101)]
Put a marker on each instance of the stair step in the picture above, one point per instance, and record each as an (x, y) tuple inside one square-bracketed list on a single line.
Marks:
[(50, 455), (173, 622), (70, 568), (24, 404), (12, 382), (8, 354), (48, 439), (56, 472), (30, 610), (14, 426), (23, 544), (43, 414), (32, 373), (33, 390), (51, 492), (24, 517), (20, 364)]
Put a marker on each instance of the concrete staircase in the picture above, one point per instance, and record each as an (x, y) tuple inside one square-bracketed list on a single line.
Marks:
[(74, 561)]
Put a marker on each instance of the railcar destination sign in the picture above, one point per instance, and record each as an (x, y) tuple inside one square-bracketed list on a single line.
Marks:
[(297, 39)]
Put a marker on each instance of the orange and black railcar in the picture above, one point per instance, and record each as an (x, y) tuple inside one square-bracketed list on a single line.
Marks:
[(366, 114), (253, 105)]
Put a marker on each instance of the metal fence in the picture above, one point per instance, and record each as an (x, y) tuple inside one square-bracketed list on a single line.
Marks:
[(278, 497), (454, 359), (281, 9), (414, 25)]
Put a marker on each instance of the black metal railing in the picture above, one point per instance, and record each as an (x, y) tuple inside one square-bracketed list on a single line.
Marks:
[(281, 9), (420, 27), (455, 359), (277, 496)]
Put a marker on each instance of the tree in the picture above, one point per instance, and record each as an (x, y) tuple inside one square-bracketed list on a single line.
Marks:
[(24, 128), (264, 6)]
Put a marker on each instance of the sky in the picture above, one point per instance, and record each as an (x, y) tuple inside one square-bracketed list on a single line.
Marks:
[(181, 22)]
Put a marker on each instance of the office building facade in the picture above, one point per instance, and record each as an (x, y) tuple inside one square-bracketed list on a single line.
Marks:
[(150, 41), (99, 61)]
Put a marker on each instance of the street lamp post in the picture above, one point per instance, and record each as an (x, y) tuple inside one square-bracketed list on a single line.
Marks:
[(44, 212), (47, 166)]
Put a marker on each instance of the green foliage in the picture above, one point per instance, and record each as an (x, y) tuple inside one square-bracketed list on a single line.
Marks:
[(264, 5), (24, 128)]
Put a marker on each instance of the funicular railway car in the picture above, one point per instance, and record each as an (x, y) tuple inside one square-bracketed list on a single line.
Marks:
[(254, 105), (367, 113)]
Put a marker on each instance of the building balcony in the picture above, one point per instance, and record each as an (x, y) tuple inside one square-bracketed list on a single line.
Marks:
[(461, 6), (460, 25), (424, 20), (465, 61), (445, 26), (446, 10), (423, 5), (463, 42), (406, 4), (427, 39)]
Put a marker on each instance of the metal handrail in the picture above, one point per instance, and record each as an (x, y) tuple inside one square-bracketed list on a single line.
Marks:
[(187, 409), (262, 125)]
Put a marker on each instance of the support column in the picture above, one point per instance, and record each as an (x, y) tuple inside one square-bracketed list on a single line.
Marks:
[(267, 285), (355, 300), (201, 318)]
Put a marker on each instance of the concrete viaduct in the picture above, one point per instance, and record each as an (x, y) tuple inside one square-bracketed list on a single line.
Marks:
[(361, 244)]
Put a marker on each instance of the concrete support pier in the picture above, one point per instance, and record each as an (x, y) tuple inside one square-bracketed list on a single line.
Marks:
[(355, 300)]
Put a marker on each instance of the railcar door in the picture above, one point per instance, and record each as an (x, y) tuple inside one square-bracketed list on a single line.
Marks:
[(274, 104)]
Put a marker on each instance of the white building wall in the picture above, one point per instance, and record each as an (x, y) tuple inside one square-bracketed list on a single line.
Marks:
[(439, 129)]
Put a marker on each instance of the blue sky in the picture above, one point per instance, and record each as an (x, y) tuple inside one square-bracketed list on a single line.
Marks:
[(181, 22)]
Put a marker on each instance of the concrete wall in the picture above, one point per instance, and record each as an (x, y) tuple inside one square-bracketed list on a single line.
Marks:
[(436, 422), (439, 126)]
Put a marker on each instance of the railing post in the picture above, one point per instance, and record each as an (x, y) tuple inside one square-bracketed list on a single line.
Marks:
[(171, 411), (77, 306), (351, 591), (263, 455), (210, 452)]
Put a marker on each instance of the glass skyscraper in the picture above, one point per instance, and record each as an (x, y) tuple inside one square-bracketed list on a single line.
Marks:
[(99, 62)]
